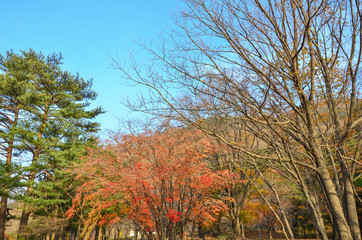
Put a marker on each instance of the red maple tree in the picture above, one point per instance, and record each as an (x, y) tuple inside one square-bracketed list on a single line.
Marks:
[(159, 179)]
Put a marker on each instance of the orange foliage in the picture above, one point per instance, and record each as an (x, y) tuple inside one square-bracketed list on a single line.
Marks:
[(158, 179)]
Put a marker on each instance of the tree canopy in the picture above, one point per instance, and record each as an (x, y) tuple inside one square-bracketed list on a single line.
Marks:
[(288, 72), (45, 124)]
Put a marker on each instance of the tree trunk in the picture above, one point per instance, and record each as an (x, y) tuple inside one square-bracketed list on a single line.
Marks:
[(270, 235), (3, 207), (349, 205), (317, 218), (4, 199), (96, 233), (236, 228), (193, 231), (119, 235), (76, 237), (26, 211), (336, 206), (90, 229), (23, 226), (135, 235), (242, 230), (82, 233), (88, 234), (313, 205), (100, 233)]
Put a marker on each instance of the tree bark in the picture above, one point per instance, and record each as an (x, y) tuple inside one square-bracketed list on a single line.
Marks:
[(22, 232), (193, 231), (26, 211), (317, 217), (135, 235), (236, 227), (100, 233), (336, 206), (4, 199), (349, 205), (242, 230), (23, 226), (82, 233), (3, 207), (270, 235)]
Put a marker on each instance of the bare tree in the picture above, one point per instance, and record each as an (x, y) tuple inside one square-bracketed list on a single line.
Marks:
[(238, 192), (289, 70)]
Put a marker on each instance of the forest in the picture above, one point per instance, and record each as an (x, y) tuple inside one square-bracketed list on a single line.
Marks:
[(251, 130)]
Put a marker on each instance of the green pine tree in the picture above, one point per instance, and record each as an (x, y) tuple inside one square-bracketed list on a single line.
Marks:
[(13, 85), (54, 127)]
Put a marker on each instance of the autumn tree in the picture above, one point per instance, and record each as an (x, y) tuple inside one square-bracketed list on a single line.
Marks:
[(158, 177), (240, 187), (46, 118), (289, 70)]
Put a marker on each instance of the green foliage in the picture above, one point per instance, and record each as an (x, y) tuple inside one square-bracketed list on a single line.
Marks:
[(53, 128), (9, 181)]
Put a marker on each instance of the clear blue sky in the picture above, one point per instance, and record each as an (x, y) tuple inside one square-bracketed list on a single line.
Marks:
[(87, 33)]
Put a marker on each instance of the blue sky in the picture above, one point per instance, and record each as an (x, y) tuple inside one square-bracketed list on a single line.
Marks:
[(87, 33)]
